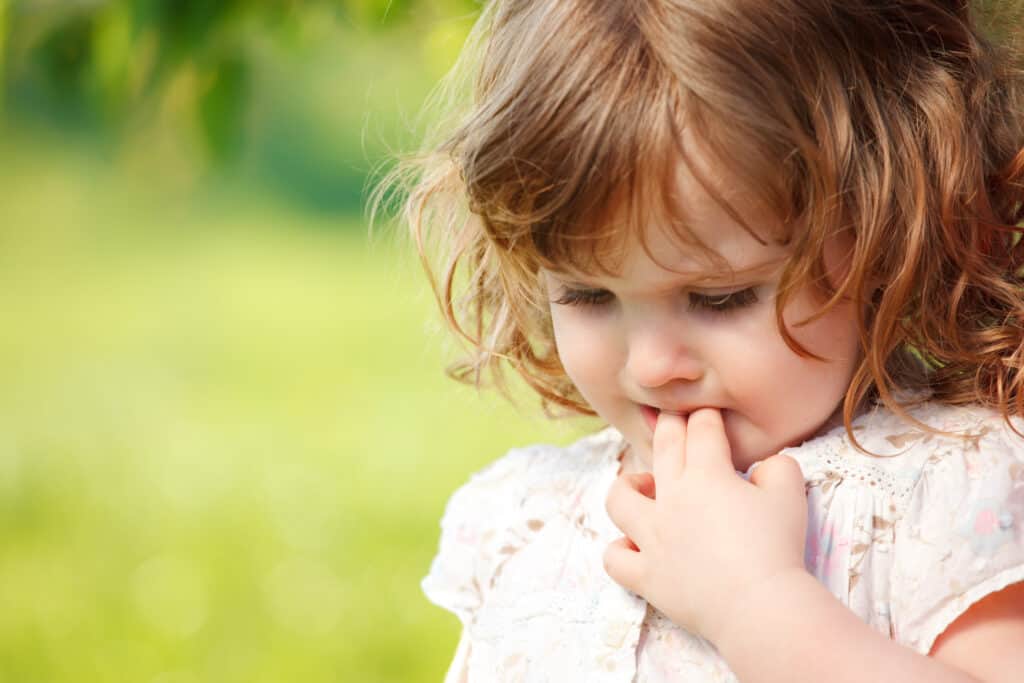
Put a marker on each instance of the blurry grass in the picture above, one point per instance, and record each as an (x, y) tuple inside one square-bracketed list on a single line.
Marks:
[(225, 439)]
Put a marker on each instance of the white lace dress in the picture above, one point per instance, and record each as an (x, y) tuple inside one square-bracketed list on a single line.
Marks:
[(908, 541)]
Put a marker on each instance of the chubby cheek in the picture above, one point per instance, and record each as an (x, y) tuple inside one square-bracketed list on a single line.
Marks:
[(789, 396), (589, 365), (834, 337)]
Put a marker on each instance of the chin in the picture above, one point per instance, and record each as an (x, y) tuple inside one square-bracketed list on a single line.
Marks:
[(741, 462)]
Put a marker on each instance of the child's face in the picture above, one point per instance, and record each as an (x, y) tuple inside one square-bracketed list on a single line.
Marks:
[(650, 339)]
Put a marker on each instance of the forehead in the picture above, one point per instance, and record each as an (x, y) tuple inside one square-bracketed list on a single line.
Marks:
[(661, 262), (726, 252), (706, 229)]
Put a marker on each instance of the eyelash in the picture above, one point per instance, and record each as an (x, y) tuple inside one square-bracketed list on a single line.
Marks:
[(718, 304), (723, 303)]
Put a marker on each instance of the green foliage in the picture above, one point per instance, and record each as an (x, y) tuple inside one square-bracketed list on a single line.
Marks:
[(222, 105), (210, 74), (219, 449), (225, 438), (1001, 19)]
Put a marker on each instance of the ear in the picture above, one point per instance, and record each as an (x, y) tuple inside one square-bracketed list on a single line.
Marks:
[(838, 255)]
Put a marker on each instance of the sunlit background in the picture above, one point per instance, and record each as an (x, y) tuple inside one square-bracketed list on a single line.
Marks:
[(226, 438)]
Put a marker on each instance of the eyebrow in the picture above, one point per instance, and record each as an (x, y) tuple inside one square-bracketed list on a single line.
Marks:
[(578, 279)]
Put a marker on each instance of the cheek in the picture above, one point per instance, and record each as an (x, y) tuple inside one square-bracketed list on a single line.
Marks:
[(585, 362), (770, 368), (834, 337)]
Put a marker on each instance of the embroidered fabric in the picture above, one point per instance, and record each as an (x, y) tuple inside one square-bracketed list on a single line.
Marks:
[(908, 537)]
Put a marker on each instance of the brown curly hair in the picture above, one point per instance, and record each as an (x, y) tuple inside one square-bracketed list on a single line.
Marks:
[(899, 123)]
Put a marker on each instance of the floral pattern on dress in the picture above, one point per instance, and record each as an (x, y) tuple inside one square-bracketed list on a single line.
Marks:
[(908, 537), (828, 550), (988, 525)]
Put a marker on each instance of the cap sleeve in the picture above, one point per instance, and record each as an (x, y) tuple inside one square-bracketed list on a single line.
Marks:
[(962, 535), (475, 521)]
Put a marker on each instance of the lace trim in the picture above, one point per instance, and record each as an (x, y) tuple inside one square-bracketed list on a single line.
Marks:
[(831, 467)]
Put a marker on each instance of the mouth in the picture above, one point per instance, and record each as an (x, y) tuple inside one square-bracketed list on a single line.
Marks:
[(651, 413)]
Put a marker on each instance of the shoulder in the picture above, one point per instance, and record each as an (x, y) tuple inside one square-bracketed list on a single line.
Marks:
[(971, 448), (960, 535), (540, 470), (885, 433), (530, 483), (581, 456), (894, 455), (504, 506), (944, 427), (920, 522)]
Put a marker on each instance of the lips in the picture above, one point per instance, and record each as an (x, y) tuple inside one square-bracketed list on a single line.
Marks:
[(651, 413)]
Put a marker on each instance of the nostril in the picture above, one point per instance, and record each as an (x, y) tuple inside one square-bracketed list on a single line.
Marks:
[(652, 369)]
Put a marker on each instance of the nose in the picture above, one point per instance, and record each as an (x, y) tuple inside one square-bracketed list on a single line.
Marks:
[(659, 354)]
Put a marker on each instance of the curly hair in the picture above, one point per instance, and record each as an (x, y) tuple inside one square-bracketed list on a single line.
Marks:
[(900, 124)]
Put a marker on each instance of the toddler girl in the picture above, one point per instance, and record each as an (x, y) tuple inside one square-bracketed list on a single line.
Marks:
[(775, 246)]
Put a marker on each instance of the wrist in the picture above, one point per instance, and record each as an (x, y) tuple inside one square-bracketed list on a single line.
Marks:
[(751, 608)]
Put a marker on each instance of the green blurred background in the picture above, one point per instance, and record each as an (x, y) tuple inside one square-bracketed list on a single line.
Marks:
[(226, 438)]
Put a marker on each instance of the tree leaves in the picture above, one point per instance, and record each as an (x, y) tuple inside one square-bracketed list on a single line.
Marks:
[(98, 64)]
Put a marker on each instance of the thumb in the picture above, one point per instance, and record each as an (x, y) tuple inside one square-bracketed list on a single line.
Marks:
[(779, 472)]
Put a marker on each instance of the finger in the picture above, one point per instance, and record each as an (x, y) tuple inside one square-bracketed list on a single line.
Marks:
[(779, 473), (624, 564), (707, 447), (629, 508), (641, 482), (644, 483), (669, 446)]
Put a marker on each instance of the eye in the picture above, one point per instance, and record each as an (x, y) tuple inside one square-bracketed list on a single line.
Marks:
[(723, 303), (583, 297)]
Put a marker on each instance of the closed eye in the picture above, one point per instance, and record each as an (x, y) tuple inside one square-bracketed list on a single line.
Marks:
[(723, 303), (584, 297), (711, 303)]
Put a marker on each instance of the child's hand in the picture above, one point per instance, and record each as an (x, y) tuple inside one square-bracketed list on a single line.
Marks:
[(708, 538)]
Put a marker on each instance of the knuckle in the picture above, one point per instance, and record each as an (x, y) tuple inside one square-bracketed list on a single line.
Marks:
[(648, 486), (638, 480), (785, 462), (780, 467)]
